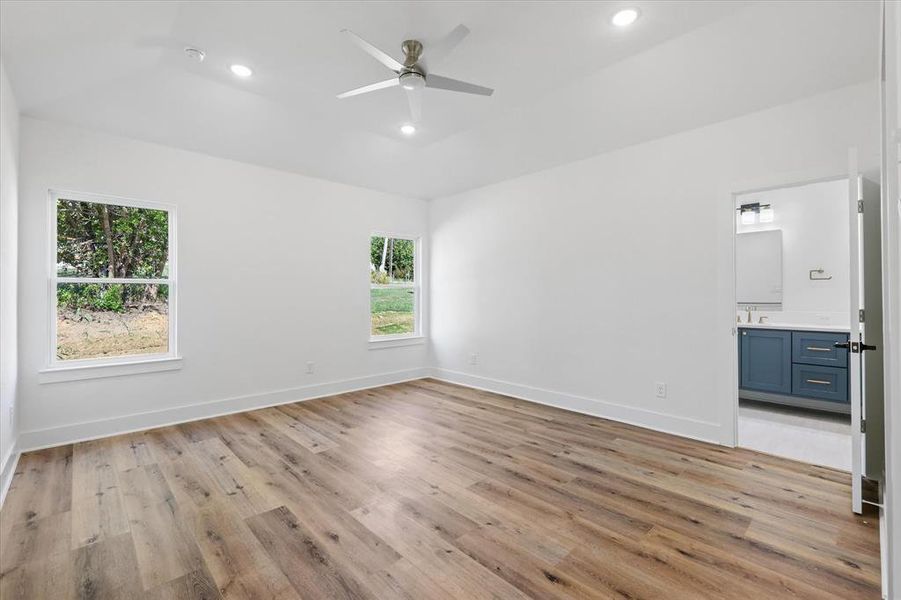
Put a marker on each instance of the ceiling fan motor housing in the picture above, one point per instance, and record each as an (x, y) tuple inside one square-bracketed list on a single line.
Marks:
[(412, 51)]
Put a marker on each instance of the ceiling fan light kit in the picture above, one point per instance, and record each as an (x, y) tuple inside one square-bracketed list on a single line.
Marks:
[(411, 75), (412, 80)]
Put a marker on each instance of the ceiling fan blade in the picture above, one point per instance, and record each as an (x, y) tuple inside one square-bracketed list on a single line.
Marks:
[(443, 47), (370, 88), (414, 98), (455, 85), (379, 55)]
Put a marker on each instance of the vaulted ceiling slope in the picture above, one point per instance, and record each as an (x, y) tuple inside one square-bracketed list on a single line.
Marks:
[(568, 84)]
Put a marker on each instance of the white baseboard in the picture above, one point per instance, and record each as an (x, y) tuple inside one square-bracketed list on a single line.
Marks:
[(8, 469), (706, 431), (80, 432)]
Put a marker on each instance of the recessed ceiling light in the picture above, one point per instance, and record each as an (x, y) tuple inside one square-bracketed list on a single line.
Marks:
[(625, 17), (241, 70), (408, 129)]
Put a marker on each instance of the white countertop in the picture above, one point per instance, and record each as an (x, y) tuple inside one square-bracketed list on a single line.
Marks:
[(795, 326)]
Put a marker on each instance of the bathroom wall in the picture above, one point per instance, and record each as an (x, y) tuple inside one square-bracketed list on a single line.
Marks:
[(814, 223)]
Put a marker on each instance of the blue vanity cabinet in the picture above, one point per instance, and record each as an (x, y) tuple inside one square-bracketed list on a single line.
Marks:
[(766, 360), (794, 367)]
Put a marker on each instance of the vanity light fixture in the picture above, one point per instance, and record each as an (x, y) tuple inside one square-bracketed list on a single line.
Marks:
[(748, 217), (755, 212)]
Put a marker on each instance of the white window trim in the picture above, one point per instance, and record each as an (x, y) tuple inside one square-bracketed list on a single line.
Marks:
[(377, 342), (68, 370), (142, 364)]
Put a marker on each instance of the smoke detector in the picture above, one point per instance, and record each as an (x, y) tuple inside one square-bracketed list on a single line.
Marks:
[(195, 54)]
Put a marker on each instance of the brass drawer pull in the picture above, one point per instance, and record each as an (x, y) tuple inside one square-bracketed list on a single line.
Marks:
[(818, 349), (819, 381)]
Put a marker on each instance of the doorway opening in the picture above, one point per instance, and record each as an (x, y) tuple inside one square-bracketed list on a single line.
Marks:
[(792, 279), (805, 264)]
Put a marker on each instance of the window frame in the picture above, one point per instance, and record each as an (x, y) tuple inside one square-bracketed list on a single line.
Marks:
[(416, 336), (158, 360)]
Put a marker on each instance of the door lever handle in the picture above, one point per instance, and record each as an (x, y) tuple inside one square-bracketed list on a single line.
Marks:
[(855, 347)]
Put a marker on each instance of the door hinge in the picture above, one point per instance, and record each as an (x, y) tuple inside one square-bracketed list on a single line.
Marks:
[(860, 206), (863, 425), (860, 316)]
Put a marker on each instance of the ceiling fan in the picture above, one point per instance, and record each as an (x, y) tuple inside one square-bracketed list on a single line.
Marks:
[(411, 74)]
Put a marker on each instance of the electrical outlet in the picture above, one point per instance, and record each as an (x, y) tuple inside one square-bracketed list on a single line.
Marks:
[(474, 358), (310, 367), (660, 389)]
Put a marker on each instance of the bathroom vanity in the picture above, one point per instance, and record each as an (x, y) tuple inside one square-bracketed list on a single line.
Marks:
[(794, 366)]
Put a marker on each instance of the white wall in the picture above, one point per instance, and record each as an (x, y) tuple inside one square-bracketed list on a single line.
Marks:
[(585, 284), (9, 201), (814, 223), (273, 272), (582, 285)]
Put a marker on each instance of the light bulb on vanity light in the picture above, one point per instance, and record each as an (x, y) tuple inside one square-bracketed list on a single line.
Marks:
[(748, 217), (767, 214)]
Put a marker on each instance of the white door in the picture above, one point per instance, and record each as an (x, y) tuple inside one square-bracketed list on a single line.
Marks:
[(865, 344)]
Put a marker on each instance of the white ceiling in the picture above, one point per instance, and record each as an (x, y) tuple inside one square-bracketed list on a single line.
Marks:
[(568, 84)]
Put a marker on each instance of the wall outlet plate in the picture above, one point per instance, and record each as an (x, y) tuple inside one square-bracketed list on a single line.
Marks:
[(474, 358), (310, 367), (660, 389)]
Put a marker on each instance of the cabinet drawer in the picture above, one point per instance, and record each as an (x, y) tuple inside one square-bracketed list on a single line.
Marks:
[(825, 383), (817, 348)]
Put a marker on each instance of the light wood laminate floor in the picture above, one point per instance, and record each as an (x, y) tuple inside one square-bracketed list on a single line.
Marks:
[(426, 490)]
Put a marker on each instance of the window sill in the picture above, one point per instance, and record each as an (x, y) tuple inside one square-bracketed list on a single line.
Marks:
[(135, 367), (396, 342)]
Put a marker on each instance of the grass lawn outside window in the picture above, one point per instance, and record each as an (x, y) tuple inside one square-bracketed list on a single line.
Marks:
[(393, 288), (392, 310)]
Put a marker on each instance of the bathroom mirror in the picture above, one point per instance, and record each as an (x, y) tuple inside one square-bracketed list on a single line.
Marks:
[(758, 268)]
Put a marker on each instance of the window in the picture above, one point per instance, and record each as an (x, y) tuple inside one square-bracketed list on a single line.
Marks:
[(393, 287), (112, 280)]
